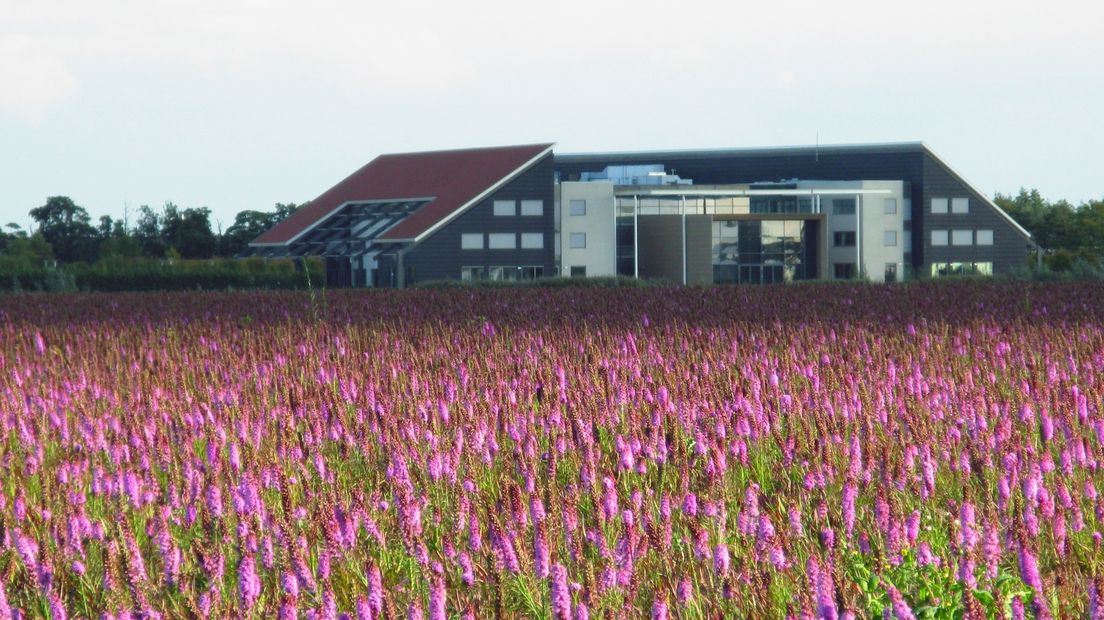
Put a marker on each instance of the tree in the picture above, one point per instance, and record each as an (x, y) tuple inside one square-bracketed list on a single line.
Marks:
[(248, 225), (148, 232), (67, 228), (189, 231)]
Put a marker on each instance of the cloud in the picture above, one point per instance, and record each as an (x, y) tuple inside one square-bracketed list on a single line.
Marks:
[(31, 78)]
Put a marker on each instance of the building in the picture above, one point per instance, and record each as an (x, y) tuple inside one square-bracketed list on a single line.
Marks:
[(877, 212)]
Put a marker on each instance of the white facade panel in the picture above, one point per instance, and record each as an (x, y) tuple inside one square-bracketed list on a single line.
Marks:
[(589, 210)]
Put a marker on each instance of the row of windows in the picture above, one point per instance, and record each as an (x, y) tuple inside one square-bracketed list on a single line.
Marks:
[(961, 269), (529, 208), (847, 206), (502, 241), (958, 206), (508, 273), (962, 237), (846, 271), (846, 238)]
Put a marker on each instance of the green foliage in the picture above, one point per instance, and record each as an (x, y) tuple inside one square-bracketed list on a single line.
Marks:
[(1059, 226), (612, 282), (137, 274)]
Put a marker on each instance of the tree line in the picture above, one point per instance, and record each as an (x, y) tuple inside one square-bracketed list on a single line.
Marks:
[(1067, 233), (64, 232)]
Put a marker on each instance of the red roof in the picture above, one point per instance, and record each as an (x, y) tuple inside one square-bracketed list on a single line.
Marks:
[(451, 178)]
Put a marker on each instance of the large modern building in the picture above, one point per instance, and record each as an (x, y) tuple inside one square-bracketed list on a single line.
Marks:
[(878, 212)]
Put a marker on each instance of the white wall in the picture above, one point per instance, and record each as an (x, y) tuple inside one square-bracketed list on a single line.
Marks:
[(600, 255), (870, 234)]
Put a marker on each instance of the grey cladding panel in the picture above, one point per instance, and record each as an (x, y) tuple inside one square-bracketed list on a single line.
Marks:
[(440, 257)]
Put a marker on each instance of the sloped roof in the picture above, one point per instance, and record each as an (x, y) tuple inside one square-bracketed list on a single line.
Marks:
[(449, 179)]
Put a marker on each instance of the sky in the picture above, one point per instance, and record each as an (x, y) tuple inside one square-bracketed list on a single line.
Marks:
[(240, 104)]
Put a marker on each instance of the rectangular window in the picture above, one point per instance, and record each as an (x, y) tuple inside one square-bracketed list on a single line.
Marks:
[(471, 241), (844, 271), (843, 239), (578, 207), (532, 208), (531, 272), (578, 240), (939, 206), (985, 269), (939, 237), (962, 237), (505, 208), (890, 206), (960, 206), (502, 241), (985, 237), (891, 272), (843, 206), (889, 238), (471, 274), (532, 241), (504, 273), (578, 272)]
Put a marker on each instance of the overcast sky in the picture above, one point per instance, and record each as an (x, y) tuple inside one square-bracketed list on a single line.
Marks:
[(239, 104)]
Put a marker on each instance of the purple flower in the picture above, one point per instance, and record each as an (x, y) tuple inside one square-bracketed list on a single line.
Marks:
[(659, 609), (437, 599), (720, 559), (901, 610), (249, 584), (561, 596)]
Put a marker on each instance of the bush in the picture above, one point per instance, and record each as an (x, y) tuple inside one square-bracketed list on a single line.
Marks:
[(113, 275)]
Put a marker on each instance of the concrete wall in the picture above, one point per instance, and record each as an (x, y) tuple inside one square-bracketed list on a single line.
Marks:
[(870, 254), (599, 224)]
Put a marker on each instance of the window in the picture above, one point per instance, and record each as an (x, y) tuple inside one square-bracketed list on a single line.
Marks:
[(532, 241), (471, 241), (891, 272), (843, 206), (578, 207), (844, 271), (962, 237), (578, 272), (502, 241), (960, 206), (939, 237), (985, 237), (470, 274), (939, 206), (505, 208), (504, 273), (960, 269), (578, 240), (890, 205), (532, 208), (531, 272), (843, 239), (889, 238)]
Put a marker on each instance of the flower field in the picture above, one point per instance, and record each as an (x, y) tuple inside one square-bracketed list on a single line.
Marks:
[(830, 451)]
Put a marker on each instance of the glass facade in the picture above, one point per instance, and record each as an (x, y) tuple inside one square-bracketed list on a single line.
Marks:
[(764, 251), (626, 238)]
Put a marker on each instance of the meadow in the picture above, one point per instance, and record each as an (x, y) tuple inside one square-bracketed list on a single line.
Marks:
[(824, 451)]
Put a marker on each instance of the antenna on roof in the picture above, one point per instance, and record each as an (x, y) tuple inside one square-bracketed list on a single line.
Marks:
[(818, 147)]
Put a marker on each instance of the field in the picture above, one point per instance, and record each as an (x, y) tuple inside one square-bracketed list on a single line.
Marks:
[(831, 451)]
